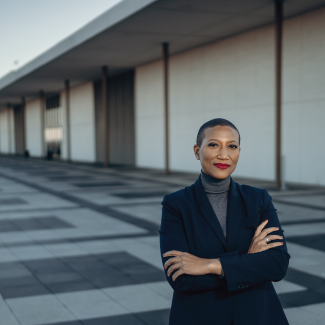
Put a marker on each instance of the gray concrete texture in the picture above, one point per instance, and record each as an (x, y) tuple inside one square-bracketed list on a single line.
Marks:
[(131, 33), (79, 245)]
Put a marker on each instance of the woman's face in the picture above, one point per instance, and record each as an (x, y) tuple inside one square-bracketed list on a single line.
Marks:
[(219, 151)]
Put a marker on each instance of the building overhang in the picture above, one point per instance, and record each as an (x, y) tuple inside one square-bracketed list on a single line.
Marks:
[(131, 33)]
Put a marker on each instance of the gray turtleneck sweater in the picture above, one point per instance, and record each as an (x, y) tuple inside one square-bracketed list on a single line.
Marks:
[(217, 193)]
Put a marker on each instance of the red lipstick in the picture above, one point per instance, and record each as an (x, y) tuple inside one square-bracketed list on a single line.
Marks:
[(222, 166)]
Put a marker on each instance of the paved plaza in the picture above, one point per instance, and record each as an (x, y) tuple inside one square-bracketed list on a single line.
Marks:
[(79, 245)]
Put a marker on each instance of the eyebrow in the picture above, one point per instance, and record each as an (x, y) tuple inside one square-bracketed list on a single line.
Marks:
[(219, 140)]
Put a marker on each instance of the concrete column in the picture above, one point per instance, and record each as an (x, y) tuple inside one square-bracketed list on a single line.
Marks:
[(23, 124), (278, 5), (67, 113), (165, 47), (43, 144), (105, 115), (9, 128)]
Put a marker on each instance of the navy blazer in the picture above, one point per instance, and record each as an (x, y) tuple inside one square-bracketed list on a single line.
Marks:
[(246, 294)]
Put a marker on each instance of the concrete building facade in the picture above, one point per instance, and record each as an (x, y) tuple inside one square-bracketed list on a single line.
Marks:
[(231, 77), (7, 134)]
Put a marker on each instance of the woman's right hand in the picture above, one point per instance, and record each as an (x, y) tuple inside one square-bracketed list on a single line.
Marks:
[(259, 243)]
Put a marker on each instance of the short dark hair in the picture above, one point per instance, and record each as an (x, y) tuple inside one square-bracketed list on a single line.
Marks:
[(212, 124)]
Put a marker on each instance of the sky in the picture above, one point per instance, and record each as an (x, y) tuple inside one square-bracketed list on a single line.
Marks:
[(30, 27)]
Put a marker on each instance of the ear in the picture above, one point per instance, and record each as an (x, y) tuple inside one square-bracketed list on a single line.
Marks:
[(196, 149)]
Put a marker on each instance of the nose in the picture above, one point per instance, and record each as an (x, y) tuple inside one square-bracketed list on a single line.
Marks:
[(223, 153)]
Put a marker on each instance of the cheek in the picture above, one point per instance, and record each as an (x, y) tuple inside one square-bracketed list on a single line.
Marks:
[(207, 161), (207, 157), (235, 158)]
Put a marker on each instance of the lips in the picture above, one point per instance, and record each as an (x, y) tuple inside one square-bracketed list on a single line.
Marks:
[(222, 166)]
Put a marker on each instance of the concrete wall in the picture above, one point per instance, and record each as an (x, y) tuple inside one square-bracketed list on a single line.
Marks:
[(234, 79), (7, 133), (149, 116), (33, 132), (64, 152), (304, 98), (82, 123), (231, 79)]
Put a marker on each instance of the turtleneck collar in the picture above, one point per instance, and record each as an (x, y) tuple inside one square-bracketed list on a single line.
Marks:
[(214, 185)]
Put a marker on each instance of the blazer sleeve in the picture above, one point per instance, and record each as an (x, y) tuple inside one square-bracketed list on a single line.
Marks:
[(243, 271), (173, 237)]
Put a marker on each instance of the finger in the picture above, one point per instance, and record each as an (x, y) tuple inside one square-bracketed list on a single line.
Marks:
[(173, 268), (273, 237), (171, 261), (269, 246), (260, 227), (172, 253), (177, 274), (265, 232)]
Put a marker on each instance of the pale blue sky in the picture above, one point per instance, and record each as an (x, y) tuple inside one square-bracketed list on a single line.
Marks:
[(30, 27)]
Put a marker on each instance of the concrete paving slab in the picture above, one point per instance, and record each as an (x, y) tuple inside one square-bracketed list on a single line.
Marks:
[(62, 271)]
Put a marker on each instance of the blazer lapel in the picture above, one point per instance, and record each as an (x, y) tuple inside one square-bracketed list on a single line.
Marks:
[(207, 211), (235, 212)]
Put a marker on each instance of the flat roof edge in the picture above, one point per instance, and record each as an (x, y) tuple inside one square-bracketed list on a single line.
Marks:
[(111, 17)]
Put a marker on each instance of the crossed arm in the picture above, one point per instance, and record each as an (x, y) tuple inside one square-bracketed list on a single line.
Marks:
[(186, 272), (186, 263)]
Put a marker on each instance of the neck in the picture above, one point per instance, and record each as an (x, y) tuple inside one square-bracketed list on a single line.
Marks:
[(215, 185)]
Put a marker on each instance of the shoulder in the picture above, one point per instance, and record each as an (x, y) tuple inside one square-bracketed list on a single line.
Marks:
[(178, 198), (255, 195), (251, 190)]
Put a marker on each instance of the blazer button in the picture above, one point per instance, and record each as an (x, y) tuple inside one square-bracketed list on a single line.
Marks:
[(247, 284), (238, 286), (243, 285)]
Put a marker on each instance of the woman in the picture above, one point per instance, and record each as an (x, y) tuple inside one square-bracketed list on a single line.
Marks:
[(218, 254)]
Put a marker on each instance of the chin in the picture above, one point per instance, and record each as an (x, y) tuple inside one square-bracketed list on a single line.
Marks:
[(220, 174)]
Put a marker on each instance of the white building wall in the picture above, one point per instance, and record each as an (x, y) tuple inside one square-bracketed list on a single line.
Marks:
[(33, 132), (11, 131), (7, 134), (64, 152), (149, 116), (234, 79), (4, 132), (12, 146), (231, 79), (304, 98), (82, 123)]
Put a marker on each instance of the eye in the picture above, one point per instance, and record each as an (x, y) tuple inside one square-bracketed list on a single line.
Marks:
[(233, 146), (213, 144)]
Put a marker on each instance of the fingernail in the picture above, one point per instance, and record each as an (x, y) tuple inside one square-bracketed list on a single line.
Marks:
[(277, 228), (281, 243), (265, 220), (163, 254), (281, 237)]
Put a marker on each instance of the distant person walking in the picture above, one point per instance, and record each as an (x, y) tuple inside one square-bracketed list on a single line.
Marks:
[(218, 255)]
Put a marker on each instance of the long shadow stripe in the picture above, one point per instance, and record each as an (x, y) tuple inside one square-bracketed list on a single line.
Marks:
[(156, 317), (312, 241), (314, 294), (151, 227)]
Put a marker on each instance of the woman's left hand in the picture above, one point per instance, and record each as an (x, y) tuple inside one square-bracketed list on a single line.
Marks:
[(187, 263)]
